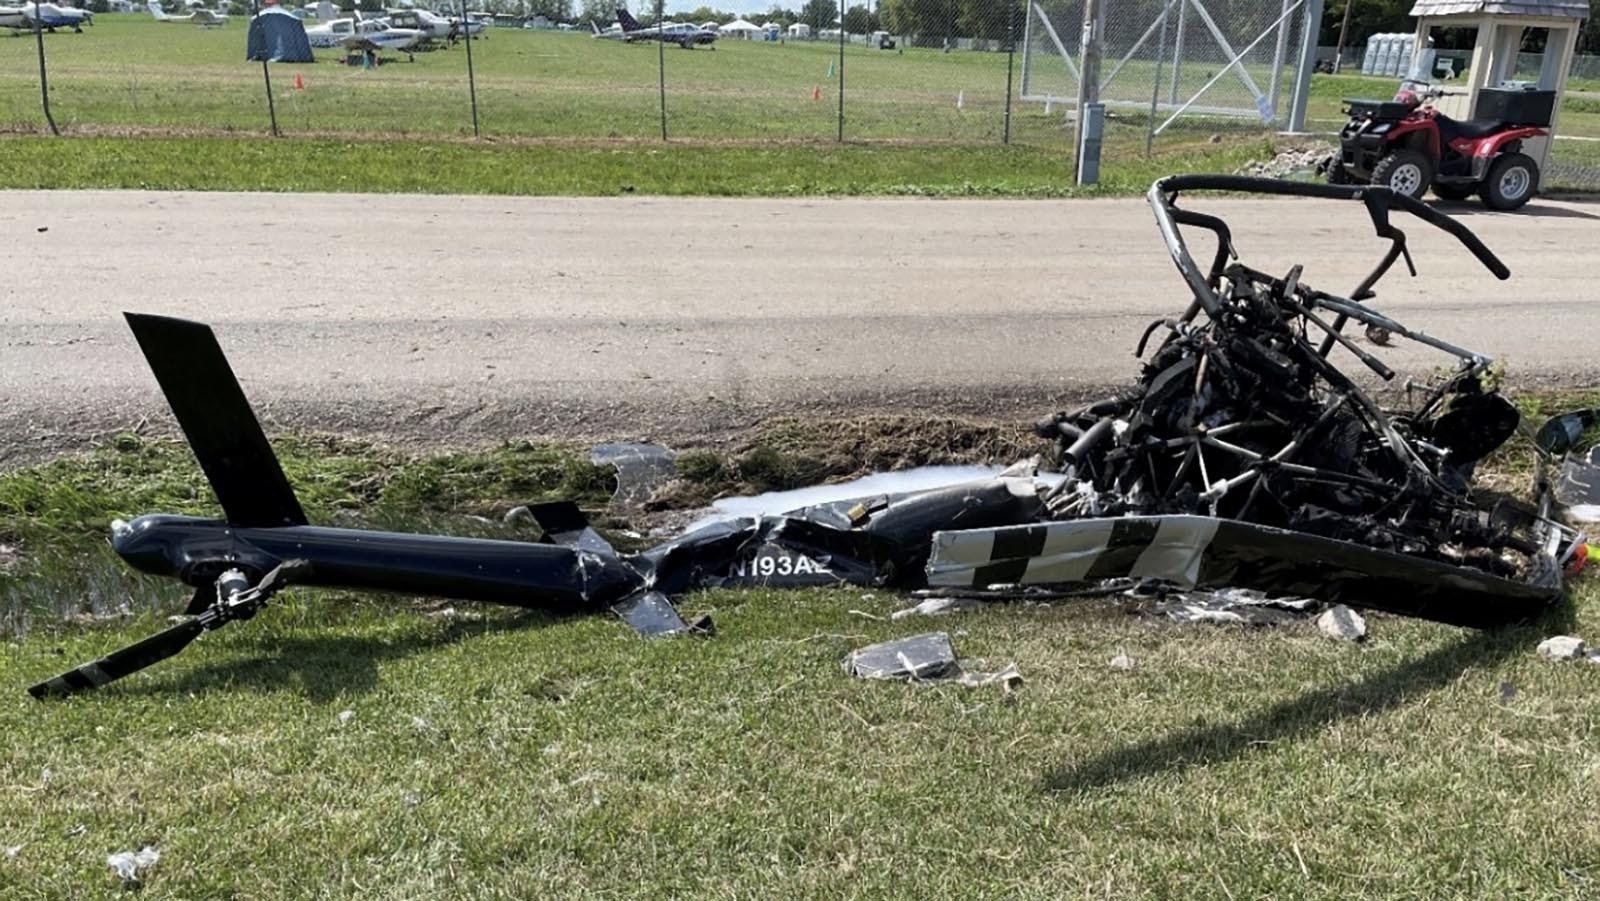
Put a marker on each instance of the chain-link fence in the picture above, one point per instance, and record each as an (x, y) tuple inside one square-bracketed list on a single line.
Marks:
[(1165, 59), (885, 70)]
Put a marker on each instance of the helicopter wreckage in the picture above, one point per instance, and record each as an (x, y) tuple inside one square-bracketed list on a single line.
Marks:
[(1244, 457)]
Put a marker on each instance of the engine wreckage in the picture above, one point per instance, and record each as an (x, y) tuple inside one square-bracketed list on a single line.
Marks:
[(1243, 457)]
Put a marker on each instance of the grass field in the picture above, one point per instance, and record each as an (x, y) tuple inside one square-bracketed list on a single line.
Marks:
[(129, 70), (563, 114), (340, 746)]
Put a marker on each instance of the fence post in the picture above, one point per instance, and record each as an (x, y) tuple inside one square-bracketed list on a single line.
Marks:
[(1011, 55), (1280, 51), (1177, 52), (44, 83), (1088, 77), (472, 80), (1311, 23), (1344, 26), (266, 78), (841, 70), (1155, 83), (661, 65)]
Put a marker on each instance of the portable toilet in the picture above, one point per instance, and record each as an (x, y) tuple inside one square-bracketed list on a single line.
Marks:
[(1385, 60), (1369, 57)]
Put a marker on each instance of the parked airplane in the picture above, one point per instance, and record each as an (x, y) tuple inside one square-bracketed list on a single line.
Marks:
[(629, 30), (355, 34), (202, 17), (49, 16), (435, 26)]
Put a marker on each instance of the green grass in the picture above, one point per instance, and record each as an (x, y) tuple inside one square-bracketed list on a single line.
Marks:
[(131, 70), (458, 167), (495, 753)]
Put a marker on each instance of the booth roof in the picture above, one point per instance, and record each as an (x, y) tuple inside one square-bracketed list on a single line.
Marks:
[(1564, 9)]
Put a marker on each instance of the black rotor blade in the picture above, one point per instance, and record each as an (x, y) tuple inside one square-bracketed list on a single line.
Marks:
[(117, 664)]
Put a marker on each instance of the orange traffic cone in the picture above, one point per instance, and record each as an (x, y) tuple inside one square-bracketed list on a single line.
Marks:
[(299, 85), (816, 92)]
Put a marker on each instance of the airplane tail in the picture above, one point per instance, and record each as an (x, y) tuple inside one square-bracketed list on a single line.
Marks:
[(157, 11), (628, 22), (595, 27), (222, 430)]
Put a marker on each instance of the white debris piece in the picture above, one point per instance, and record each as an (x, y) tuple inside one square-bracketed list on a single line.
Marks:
[(1563, 647), (12, 851), (1122, 661), (1342, 623), (127, 864), (939, 607), (345, 716), (1008, 678)]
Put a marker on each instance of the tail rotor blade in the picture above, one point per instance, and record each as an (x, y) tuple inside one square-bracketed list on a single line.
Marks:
[(117, 664)]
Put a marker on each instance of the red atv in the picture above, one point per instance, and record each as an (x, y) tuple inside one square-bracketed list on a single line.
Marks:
[(1409, 146)]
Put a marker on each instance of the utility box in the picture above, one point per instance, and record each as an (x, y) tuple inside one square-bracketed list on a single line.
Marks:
[(1518, 107)]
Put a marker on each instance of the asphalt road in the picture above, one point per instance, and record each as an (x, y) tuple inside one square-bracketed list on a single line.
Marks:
[(462, 319)]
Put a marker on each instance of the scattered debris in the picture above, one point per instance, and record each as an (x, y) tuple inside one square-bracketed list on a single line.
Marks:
[(1122, 662), (919, 658), (1244, 464), (13, 850), (345, 716), (1007, 678), (1578, 488), (1563, 647), (940, 606), (1225, 606), (411, 799), (641, 468), (1507, 692), (127, 864), (1342, 623), (929, 657)]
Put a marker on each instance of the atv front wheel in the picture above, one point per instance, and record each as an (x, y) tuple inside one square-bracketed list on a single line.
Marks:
[(1404, 172), (1512, 182), (1336, 173)]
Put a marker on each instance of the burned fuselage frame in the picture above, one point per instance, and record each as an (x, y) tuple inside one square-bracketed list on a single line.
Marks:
[(1243, 456)]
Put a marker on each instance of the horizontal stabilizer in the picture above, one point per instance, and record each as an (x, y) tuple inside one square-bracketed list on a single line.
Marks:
[(564, 524), (217, 420)]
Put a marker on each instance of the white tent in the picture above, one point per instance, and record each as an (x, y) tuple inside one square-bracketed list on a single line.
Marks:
[(739, 28), (799, 30)]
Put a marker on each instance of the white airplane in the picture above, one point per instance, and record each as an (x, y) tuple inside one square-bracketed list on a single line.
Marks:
[(356, 34), (432, 24), (49, 16), (202, 17), (628, 30), (437, 27)]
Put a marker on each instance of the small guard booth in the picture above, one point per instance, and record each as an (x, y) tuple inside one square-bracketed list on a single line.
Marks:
[(1501, 82)]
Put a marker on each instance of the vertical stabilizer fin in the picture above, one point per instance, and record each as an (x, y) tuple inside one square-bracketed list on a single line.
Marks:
[(217, 420)]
